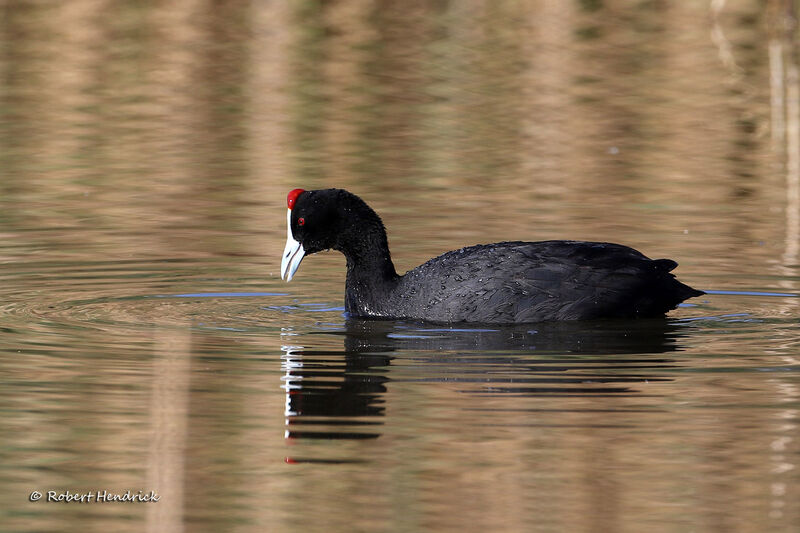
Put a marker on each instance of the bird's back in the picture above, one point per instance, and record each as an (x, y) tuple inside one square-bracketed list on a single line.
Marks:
[(515, 282)]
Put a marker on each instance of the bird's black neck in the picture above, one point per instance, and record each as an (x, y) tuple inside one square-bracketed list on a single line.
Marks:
[(370, 271), (367, 253)]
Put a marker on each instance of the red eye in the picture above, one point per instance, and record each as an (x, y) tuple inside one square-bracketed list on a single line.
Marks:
[(301, 221)]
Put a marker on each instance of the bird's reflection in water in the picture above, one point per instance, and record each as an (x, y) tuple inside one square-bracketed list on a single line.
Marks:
[(334, 389), (339, 394)]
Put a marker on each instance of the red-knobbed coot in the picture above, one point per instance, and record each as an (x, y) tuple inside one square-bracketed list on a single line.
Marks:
[(502, 283)]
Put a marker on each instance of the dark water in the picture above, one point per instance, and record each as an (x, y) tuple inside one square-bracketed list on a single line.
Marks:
[(147, 342)]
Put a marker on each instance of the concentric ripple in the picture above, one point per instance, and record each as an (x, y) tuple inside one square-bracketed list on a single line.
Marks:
[(120, 298)]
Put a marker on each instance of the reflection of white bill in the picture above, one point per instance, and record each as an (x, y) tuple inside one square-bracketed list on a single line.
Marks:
[(289, 363)]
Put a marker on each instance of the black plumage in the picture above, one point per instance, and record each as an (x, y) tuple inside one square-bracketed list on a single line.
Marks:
[(501, 283)]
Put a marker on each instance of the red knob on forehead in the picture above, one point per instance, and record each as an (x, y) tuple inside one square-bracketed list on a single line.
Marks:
[(293, 196)]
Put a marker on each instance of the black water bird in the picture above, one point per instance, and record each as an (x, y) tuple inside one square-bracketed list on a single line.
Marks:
[(501, 283)]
